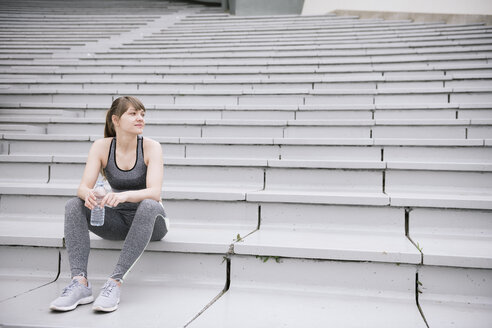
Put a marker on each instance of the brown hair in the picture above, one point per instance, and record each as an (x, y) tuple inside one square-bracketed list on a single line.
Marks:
[(119, 106)]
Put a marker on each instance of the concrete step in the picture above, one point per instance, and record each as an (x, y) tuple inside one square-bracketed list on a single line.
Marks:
[(453, 238), (266, 112), (19, 276), (209, 280), (441, 68), (323, 40), (56, 28), (331, 232), (32, 40), (378, 234), (203, 222), (69, 78), (211, 238), (252, 112), (326, 22), (281, 21), (272, 58), (386, 237), (21, 128), (305, 26), (455, 296), (424, 188), (403, 187), (267, 58), (356, 239), (71, 20), (344, 23), (207, 234), (41, 112), (321, 176), (257, 283), (392, 128), (329, 23), (21, 25), (47, 168), (325, 36), (318, 39), (158, 84), (406, 150), (190, 281), (239, 174), (463, 95), (175, 45), (259, 51), (437, 199)]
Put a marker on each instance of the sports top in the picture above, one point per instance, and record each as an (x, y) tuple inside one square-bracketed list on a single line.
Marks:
[(122, 180)]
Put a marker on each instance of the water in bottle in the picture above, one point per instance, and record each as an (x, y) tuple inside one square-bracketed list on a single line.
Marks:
[(97, 213)]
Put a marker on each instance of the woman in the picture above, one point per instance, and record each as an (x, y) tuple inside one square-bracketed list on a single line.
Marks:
[(134, 213)]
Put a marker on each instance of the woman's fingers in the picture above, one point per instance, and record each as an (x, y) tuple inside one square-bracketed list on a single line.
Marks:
[(115, 200), (111, 199), (90, 200), (105, 200)]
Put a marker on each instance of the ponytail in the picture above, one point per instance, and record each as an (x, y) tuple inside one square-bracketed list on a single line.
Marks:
[(109, 126)]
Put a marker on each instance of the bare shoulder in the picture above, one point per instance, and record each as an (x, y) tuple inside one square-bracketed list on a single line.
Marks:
[(100, 149), (151, 148), (102, 144), (151, 144)]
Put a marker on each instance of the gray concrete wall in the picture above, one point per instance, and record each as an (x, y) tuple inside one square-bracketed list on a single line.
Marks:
[(449, 7), (265, 7), (418, 17)]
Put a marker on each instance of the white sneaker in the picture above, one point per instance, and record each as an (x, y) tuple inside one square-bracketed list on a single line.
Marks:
[(73, 295), (108, 299)]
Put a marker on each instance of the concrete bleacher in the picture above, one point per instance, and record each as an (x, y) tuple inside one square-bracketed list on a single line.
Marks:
[(318, 170)]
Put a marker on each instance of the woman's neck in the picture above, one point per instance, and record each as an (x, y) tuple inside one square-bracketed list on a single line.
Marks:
[(126, 142)]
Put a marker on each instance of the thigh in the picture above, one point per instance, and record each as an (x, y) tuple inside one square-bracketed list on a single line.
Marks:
[(151, 214), (114, 227)]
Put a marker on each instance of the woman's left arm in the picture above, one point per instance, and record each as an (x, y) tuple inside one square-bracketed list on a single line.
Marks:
[(155, 174)]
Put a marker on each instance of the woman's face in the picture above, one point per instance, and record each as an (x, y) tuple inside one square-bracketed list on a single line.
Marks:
[(132, 121)]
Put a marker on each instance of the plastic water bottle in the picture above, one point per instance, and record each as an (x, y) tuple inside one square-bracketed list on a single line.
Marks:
[(97, 213)]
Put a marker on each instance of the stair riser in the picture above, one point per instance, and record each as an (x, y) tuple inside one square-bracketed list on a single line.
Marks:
[(435, 131), (151, 100), (427, 154), (183, 212), (125, 86)]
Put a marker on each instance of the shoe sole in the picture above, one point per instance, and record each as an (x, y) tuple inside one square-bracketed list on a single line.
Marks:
[(85, 300), (103, 309)]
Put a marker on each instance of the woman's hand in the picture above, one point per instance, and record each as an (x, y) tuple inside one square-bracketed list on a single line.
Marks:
[(113, 199), (90, 200)]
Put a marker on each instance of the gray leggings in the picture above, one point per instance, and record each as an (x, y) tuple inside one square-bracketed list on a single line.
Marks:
[(135, 223)]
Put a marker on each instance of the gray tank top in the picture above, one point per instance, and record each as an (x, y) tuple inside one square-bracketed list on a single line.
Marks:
[(123, 180)]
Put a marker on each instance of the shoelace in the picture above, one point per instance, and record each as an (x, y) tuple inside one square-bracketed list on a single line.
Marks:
[(69, 288), (107, 289)]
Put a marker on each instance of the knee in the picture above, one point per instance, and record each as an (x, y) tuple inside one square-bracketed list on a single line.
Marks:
[(150, 206), (74, 207), (150, 209), (74, 203)]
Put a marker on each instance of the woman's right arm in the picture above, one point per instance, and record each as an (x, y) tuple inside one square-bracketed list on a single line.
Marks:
[(91, 172)]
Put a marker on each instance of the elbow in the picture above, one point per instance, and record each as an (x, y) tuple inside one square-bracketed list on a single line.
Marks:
[(80, 192), (156, 195)]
